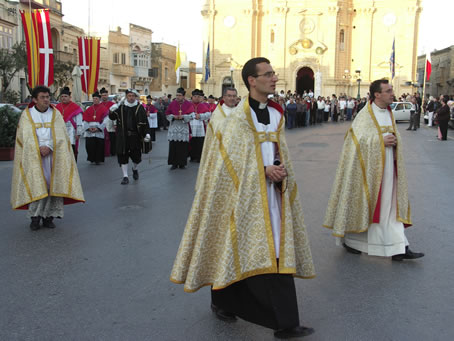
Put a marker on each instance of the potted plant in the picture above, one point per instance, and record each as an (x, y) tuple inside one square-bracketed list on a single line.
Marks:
[(9, 119)]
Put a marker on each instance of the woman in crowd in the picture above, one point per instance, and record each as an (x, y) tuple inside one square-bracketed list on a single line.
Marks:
[(443, 116)]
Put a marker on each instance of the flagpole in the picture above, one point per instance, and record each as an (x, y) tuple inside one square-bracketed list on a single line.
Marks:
[(33, 49), (425, 77)]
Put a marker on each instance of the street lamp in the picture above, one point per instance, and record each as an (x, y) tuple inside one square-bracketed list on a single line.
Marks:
[(358, 96), (232, 84)]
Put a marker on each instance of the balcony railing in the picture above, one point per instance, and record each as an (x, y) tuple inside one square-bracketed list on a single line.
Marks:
[(122, 70)]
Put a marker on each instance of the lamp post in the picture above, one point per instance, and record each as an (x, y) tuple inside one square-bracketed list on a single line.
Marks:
[(358, 96), (232, 84)]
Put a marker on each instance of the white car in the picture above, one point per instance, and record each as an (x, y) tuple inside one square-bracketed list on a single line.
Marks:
[(15, 109), (401, 111)]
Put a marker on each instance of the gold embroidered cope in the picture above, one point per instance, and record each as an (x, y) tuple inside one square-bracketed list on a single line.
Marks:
[(228, 235), (359, 175), (29, 183)]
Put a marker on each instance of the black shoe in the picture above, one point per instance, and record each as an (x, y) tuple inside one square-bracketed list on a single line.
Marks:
[(135, 174), (415, 129), (222, 314), (48, 222), (34, 225), (351, 250), (298, 331), (125, 181), (173, 167), (182, 167), (407, 255), (408, 129)]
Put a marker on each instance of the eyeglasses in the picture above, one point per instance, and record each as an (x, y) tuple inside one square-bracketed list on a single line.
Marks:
[(269, 74)]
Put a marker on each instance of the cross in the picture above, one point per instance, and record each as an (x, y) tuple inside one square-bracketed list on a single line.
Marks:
[(46, 51), (84, 66)]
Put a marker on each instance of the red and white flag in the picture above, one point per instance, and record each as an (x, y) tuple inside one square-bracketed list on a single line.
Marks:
[(40, 53), (89, 56), (428, 66)]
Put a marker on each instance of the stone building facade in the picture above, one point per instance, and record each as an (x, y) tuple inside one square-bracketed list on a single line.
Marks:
[(140, 44), (119, 60), (441, 80), (64, 36), (325, 45), (163, 58)]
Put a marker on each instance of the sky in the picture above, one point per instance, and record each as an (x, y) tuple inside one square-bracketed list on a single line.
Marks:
[(180, 21)]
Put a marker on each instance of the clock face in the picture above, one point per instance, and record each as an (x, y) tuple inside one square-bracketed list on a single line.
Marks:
[(307, 26), (229, 21), (389, 19)]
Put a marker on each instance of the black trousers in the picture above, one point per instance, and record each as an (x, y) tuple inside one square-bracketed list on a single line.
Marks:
[(178, 153), (267, 300), (320, 115), (95, 149), (132, 150), (443, 129), (113, 143), (74, 151), (195, 152), (313, 116)]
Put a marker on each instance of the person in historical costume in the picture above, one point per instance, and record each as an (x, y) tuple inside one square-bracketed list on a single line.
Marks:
[(202, 114), (369, 208), (132, 123), (152, 115), (108, 104), (245, 235), (72, 115), (95, 118), (45, 175), (179, 113)]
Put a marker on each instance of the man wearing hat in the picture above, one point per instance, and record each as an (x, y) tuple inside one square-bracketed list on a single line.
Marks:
[(179, 114), (131, 133), (212, 103), (72, 115), (95, 118), (109, 145), (198, 125)]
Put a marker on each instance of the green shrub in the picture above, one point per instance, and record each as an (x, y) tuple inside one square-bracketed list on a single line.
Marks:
[(9, 120)]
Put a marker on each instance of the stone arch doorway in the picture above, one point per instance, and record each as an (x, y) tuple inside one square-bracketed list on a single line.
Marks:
[(304, 80)]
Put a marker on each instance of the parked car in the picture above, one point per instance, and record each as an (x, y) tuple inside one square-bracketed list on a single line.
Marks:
[(401, 111), (87, 104), (16, 109)]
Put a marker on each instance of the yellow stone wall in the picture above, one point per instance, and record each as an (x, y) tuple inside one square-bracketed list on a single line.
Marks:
[(238, 30)]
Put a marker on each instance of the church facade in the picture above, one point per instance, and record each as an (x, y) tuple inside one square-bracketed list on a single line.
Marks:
[(328, 46)]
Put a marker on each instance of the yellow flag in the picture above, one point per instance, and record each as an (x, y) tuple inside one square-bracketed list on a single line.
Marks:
[(178, 61)]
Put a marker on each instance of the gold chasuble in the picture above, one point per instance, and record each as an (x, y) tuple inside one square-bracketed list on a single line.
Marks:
[(228, 235), (354, 200), (29, 183)]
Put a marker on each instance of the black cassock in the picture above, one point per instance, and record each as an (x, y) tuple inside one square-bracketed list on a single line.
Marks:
[(268, 300), (132, 126)]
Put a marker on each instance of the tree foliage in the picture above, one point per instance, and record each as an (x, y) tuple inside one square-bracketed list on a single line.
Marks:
[(9, 120), (11, 62), (62, 75)]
